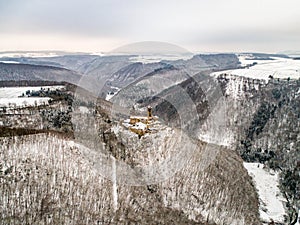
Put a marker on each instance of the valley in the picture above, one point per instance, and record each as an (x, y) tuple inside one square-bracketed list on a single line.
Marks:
[(224, 123)]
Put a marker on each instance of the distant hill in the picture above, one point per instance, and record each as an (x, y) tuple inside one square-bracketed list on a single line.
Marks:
[(72, 62), (17, 72)]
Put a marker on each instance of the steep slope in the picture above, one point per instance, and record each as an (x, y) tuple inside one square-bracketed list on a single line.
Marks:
[(103, 173), (131, 73), (258, 117), (100, 70), (149, 85), (196, 96), (264, 127), (66, 187)]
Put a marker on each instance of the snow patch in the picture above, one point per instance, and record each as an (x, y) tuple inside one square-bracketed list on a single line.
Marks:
[(141, 126), (270, 197), (112, 94), (83, 110), (298, 93), (298, 221), (114, 180), (116, 129)]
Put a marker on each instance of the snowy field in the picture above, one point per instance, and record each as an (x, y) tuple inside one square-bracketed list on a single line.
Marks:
[(270, 197), (278, 68), (157, 58), (9, 96), (14, 62), (14, 92)]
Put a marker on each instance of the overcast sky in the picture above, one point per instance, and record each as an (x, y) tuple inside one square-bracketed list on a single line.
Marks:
[(197, 25)]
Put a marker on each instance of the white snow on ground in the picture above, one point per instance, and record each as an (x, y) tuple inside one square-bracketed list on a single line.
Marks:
[(18, 102), (116, 129), (14, 92), (157, 58), (15, 62), (278, 68), (298, 221), (115, 186), (9, 96), (248, 59), (141, 126), (98, 53), (270, 197), (112, 94), (83, 109), (109, 96)]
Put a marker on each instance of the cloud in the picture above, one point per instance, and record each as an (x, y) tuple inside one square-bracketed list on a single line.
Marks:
[(211, 21)]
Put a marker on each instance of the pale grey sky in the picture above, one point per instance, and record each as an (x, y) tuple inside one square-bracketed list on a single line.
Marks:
[(197, 25)]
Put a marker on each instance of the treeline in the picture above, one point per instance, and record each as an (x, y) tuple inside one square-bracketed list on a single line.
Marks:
[(33, 83)]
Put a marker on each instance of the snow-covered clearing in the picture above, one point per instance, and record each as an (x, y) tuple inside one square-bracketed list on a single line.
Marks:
[(270, 197), (278, 68), (9, 96), (14, 92)]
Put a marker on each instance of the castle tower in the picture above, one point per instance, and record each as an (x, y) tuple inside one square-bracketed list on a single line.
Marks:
[(149, 108)]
